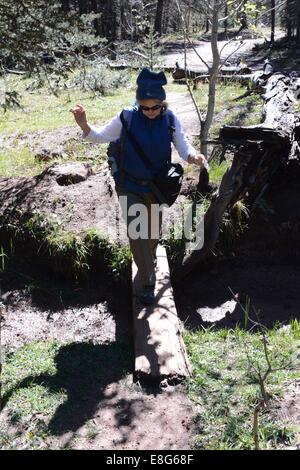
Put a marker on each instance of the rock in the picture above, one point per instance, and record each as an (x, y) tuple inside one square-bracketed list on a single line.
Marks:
[(71, 173), (46, 154)]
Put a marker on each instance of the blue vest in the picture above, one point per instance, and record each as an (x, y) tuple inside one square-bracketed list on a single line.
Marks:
[(154, 135)]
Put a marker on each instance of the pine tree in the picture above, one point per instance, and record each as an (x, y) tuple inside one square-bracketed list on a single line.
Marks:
[(151, 48)]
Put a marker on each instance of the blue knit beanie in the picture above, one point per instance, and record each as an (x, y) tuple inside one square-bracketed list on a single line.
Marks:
[(150, 85)]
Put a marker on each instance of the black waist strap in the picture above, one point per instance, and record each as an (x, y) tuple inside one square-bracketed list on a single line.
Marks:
[(150, 184), (137, 180)]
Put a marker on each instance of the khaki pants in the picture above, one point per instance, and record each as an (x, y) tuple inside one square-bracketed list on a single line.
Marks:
[(143, 248)]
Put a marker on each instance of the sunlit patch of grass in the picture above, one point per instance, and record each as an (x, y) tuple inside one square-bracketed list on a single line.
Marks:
[(246, 111), (46, 381), (224, 94), (217, 171), (43, 110), (19, 162), (225, 386), (31, 360)]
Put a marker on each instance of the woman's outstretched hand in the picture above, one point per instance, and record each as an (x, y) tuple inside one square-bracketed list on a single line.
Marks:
[(198, 160), (79, 114)]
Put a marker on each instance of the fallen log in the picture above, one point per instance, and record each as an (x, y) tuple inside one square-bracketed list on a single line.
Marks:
[(180, 73), (225, 79), (16, 72), (260, 151), (135, 67), (160, 352)]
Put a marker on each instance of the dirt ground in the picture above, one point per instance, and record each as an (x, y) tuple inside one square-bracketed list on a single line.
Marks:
[(125, 414), (232, 50)]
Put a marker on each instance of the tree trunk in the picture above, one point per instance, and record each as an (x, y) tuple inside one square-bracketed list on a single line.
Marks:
[(159, 16), (226, 20), (273, 17), (166, 19), (213, 77), (94, 5), (115, 20), (289, 19), (82, 7), (160, 352), (258, 9), (188, 19), (298, 21), (206, 26), (66, 5)]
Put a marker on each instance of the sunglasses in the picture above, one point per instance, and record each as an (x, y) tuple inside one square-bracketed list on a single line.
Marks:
[(152, 108)]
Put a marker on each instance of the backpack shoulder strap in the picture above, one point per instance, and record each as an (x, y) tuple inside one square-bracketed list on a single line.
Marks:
[(171, 119), (126, 118), (126, 115)]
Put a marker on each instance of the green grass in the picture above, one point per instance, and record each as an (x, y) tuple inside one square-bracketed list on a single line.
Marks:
[(225, 386), (246, 111), (32, 360), (46, 383), (19, 162), (67, 254), (217, 171), (42, 110)]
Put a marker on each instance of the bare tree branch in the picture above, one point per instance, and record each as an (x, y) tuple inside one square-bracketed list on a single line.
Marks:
[(230, 55), (195, 50)]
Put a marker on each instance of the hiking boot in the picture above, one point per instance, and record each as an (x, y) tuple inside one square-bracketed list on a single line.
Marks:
[(148, 296)]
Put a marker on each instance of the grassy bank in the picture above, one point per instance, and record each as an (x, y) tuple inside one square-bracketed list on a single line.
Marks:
[(64, 253), (45, 384), (225, 386)]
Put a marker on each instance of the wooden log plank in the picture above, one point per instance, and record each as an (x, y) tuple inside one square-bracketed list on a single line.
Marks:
[(241, 79), (136, 67), (160, 352), (179, 73), (252, 133)]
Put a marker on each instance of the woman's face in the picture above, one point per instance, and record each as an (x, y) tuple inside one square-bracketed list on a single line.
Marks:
[(151, 108)]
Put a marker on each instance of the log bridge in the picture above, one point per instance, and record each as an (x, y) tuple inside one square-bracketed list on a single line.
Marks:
[(160, 353)]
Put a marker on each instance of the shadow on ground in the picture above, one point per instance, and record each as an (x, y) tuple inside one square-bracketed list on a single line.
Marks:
[(83, 372)]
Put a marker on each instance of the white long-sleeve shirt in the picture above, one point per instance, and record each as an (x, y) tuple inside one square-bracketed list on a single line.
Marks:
[(111, 132)]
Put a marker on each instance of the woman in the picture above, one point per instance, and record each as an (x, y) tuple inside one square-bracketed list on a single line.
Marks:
[(150, 125)]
